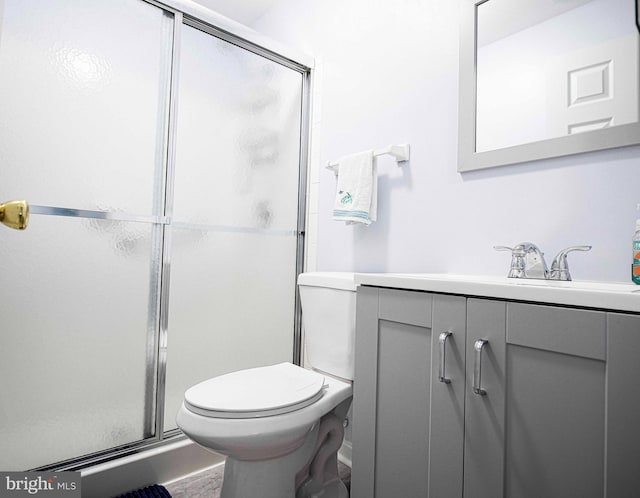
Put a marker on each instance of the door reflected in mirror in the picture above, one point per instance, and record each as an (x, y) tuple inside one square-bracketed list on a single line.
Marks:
[(552, 68)]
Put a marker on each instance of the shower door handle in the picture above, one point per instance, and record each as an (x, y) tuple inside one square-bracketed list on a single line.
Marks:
[(15, 214), (442, 340), (478, 346)]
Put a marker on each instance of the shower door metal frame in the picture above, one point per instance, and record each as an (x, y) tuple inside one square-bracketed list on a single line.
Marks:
[(220, 27)]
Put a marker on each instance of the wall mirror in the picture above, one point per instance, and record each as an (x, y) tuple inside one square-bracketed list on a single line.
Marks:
[(546, 78)]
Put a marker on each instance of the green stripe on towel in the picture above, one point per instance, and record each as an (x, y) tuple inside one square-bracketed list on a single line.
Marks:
[(339, 213)]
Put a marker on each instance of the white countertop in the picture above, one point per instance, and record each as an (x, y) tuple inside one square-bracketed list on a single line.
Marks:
[(603, 295)]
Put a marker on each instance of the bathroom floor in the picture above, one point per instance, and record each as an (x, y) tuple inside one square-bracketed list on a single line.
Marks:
[(207, 484)]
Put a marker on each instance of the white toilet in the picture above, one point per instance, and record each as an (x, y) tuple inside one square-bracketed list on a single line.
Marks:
[(282, 425)]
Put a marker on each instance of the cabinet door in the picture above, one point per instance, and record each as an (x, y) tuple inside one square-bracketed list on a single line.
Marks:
[(401, 409), (446, 437), (623, 405), (539, 430)]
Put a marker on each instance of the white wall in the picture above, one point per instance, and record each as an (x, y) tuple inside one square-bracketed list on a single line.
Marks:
[(388, 73)]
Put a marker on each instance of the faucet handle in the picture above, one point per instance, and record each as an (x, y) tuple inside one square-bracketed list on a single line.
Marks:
[(503, 248), (560, 265), (527, 261), (517, 260)]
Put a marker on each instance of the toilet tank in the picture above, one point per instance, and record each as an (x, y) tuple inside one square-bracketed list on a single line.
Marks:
[(328, 302)]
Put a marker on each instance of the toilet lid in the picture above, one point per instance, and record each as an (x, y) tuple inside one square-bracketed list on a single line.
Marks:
[(256, 392)]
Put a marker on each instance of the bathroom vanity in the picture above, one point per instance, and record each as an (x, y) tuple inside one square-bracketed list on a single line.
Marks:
[(494, 387)]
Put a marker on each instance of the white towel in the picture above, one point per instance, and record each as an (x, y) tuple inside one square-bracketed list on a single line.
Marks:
[(357, 190)]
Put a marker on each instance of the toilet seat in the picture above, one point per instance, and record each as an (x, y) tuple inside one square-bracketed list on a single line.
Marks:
[(256, 392)]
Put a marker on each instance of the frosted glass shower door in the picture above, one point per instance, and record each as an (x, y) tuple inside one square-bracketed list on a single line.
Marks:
[(83, 112), (235, 214)]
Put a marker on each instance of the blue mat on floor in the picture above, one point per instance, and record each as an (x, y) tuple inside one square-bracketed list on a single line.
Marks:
[(155, 491)]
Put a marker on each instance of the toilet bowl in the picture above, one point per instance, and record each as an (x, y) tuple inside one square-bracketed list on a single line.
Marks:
[(266, 446), (281, 426)]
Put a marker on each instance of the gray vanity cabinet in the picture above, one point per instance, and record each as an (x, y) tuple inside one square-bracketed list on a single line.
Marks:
[(543, 400), (549, 414), (407, 423)]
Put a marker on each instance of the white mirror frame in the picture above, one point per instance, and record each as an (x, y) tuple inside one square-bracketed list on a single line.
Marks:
[(469, 159)]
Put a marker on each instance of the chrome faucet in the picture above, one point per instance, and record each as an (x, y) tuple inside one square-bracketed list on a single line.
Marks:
[(560, 266), (527, 261)]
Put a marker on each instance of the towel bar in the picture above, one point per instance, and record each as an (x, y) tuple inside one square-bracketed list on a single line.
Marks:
[(401, 153)]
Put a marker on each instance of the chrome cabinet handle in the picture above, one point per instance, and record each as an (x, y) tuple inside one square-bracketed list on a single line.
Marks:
[(477, 368), (442, 339)]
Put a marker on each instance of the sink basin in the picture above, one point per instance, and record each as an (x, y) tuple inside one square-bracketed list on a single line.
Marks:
[(601, 295)]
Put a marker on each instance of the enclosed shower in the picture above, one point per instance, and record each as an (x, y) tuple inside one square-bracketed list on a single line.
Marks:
[(163, 159)]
